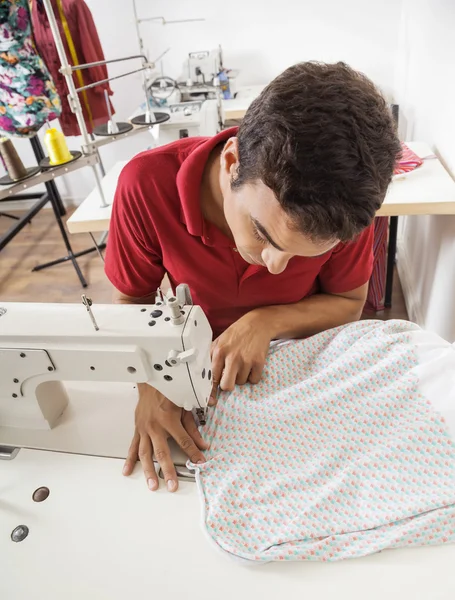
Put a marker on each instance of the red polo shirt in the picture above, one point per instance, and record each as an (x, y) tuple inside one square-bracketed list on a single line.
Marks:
[(157, 227)]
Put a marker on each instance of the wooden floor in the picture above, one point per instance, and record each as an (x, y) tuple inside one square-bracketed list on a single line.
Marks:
[(41, 242)]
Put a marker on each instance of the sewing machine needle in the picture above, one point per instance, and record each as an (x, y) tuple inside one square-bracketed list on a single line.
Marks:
[(88, 303)]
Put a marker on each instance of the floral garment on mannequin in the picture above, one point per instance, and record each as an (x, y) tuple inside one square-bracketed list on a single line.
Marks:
[(28, 96)]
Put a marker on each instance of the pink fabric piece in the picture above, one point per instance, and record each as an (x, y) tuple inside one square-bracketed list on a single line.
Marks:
[(408, 161)]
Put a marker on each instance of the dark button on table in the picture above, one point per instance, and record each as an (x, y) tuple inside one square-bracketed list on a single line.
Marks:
[(156, 313)]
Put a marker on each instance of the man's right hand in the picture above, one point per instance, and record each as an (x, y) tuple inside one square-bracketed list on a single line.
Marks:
[(157, 419)]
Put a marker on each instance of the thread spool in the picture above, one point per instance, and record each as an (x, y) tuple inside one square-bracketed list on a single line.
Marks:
[(11, 160), (55, 143)]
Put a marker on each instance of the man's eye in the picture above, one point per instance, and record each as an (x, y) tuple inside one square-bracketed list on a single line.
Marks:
[(258, 236)]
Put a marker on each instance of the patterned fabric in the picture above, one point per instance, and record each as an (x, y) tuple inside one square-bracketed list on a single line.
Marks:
[(28, 97), (408, 161), (335, 454)]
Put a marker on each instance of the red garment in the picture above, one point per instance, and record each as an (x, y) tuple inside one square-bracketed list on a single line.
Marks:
[(376, 288), (157, 227), (88, 49)]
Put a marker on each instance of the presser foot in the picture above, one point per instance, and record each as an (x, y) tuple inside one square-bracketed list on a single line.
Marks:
[(201, 414)]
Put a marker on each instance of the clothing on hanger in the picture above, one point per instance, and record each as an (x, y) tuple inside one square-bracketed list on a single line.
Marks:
[(28, 96), (82, 45)]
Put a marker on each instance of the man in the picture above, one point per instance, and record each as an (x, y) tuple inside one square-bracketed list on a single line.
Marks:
[(269, 225)]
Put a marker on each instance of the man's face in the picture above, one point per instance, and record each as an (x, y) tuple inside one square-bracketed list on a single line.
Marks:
[(262, 231)]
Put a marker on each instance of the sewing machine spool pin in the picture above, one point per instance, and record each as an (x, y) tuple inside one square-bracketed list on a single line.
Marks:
[(183, 294), (176, 314), (87, 302)]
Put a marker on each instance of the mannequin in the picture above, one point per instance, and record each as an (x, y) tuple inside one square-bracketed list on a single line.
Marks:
[(28, 96)]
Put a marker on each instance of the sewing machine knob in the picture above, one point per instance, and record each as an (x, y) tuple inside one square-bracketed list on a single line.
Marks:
[(176, 358), (19, 533)]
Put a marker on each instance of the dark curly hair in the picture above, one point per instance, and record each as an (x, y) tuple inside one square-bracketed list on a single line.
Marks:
[(322, 137)]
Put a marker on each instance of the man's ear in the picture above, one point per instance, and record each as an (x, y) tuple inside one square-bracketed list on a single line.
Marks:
[(230, 157)]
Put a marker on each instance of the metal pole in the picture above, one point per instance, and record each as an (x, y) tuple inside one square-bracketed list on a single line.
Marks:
[(74, 102), (138, 32), (166, 22), (105, 62), (92, 85), (160, 56), (104, 204), (148, 112)]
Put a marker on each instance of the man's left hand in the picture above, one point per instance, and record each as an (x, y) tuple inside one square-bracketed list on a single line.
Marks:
[(239, 353)]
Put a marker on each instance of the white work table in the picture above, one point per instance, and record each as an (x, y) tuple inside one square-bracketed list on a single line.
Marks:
[(102, 536), (429, 190), (90, 215), (236, 108)]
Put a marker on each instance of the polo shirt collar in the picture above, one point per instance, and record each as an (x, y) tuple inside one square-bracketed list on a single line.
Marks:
[(189, 182)]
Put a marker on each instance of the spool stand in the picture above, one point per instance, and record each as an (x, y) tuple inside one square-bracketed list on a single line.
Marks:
[(57, 206), (4, 214), (51, 195)]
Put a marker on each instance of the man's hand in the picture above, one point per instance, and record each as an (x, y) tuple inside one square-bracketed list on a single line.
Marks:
[(157, 418), (239, 353)]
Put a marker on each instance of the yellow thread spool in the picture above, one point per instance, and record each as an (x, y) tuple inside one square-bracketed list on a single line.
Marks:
[(55, 142)]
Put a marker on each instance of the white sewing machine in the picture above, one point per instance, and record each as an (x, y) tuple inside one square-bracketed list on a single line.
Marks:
[(166, 345), (72, 527)]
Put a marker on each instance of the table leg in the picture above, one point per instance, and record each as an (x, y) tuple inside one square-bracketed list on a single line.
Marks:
[(7, 215), (23, 220), (391, 254)]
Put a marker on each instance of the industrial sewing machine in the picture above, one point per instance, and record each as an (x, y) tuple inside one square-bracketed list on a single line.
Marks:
[(193, 100), (166, 345), (71, 526)]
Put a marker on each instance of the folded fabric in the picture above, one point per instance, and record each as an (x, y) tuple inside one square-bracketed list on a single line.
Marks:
[(408, 161), (337, 453)]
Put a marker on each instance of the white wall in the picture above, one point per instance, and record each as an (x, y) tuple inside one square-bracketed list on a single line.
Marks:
[(259, 37), (425, 90), (263, 37)]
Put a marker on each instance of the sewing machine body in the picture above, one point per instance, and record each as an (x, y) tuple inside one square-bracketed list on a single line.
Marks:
[(43, 345)]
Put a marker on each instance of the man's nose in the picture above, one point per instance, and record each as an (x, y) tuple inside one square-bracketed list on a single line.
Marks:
[(275, 260)]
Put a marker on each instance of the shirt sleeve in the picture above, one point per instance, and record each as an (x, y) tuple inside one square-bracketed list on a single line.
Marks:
[(133, 261), (350, 265)]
